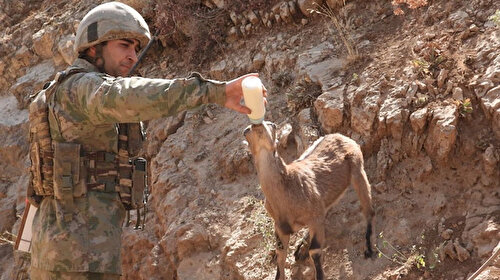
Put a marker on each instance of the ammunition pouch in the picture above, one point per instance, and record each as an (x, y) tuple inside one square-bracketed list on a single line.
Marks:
[(105, 174), (138, 183), (41, 153), (133, 183), (77, 172), (67, 177)]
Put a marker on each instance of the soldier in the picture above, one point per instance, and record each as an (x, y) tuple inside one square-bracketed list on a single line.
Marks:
[(77, 228)]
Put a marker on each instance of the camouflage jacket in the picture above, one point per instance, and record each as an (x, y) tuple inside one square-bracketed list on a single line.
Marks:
[(86, 108)]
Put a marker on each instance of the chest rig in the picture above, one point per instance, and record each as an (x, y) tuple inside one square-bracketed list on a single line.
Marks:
[(65, 171)]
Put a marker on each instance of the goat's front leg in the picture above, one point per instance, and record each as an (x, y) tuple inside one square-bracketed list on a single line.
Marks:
[(282, 238)]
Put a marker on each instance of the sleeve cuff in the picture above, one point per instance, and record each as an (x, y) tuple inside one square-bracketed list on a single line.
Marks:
[(220, 93)]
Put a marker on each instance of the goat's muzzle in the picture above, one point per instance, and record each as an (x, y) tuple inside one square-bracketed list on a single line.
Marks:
[(250, 127)]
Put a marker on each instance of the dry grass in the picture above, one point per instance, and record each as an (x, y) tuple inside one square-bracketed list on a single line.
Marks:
[(337, 16)]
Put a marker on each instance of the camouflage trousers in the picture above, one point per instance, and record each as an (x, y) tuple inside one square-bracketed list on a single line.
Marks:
[(40, 274)]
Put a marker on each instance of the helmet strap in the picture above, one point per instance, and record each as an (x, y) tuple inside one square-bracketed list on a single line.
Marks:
[(99, 61)]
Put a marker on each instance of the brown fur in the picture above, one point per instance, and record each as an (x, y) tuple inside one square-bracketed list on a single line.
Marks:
[(300, 194)]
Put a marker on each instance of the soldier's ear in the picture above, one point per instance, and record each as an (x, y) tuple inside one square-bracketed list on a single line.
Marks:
[(91, 51)]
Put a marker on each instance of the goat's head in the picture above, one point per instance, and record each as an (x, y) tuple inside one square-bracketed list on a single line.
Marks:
[(261, 137)]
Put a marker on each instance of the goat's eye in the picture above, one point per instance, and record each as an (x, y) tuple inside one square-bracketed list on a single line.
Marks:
[(246, 131)]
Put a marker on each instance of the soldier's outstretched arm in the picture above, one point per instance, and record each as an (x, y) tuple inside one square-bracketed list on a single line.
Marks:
[(100, 99)]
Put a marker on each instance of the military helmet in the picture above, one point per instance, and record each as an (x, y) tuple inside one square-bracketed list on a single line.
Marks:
[(111, 21)]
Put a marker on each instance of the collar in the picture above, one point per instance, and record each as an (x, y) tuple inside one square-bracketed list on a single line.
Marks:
[(82, 63)]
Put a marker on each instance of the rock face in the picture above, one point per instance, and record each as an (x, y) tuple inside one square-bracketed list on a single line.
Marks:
[(432, 158), (330, 109), (43, 40), (442, 132), (392, 117), (32, 81), (319, 65), (364, 108), (13, 175)]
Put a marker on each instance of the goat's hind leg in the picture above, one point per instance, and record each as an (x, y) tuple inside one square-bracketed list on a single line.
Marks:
[(302, 251), (369, 251), (317, 241), (362, 187)]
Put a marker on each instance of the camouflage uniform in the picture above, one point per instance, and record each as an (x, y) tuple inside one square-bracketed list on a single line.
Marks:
[(86, 109)]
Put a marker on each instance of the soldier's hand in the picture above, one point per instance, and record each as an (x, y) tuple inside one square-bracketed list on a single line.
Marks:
[(234, 94)]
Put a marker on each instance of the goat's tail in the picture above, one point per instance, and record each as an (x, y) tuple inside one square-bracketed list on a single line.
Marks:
[(360, 183)]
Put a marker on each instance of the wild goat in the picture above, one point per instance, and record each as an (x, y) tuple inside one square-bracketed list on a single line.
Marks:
[(300, 194)]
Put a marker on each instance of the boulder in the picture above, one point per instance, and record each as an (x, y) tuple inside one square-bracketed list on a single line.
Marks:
[(418, 120), (490, 103), (22, 58), (363, 115), (462, 253), (392, 117), (43, 40), (32, 81), (330, 109), (252, 17), (442, 132), (65, 48), (320, 65), (485, 237), (285, 13)]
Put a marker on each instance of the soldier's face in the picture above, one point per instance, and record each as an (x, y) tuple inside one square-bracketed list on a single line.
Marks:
[(118, 56)]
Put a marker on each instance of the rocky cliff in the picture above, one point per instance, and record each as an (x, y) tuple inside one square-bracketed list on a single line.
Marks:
[(420, 92)]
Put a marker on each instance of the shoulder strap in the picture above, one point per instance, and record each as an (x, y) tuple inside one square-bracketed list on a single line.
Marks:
[(63, 75), (49, 95), (60, 76)]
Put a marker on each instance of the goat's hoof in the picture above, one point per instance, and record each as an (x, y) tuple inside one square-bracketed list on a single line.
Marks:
[(368, 254)]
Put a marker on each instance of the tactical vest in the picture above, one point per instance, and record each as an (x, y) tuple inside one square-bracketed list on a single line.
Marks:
[(65, 170)]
